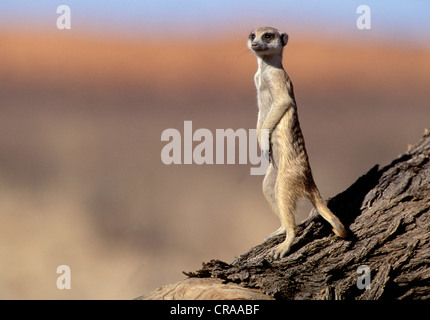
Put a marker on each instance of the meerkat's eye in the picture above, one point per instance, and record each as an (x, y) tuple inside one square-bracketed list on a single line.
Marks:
[(252, 36), (268, 36)]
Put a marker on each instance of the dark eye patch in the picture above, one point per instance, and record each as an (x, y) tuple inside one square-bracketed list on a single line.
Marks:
[(252, 36), (269, 36)]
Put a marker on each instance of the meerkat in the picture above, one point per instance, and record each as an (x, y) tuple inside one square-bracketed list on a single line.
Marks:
[(289, 176)]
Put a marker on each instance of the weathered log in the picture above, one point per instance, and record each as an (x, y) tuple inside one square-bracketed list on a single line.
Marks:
[(204, 289), (387, 212)]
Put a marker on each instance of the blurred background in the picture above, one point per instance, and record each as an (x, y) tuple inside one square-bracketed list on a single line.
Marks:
[(82, 112)]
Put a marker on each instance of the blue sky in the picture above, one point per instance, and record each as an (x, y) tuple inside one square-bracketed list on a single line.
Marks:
[(390, 19)]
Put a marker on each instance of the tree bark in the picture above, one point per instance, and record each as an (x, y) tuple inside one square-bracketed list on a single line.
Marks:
[(387, 212)]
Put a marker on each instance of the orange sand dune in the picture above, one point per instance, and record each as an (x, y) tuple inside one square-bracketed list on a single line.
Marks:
[(185, 64)]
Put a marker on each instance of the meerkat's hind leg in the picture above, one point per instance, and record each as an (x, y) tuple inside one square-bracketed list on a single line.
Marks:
[(269, 183), (287, 207)]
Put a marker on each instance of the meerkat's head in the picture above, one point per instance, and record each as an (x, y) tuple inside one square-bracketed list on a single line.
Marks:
[(267, 41)]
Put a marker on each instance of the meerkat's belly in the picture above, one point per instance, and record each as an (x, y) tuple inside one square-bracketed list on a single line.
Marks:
[(287, 141), (264, 101)]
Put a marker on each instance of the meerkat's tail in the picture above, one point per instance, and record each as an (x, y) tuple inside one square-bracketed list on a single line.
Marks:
[(325, 212)]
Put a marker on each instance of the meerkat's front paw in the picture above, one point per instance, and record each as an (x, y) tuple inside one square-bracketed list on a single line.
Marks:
[(265, 144), (280, 251), (266, 154)]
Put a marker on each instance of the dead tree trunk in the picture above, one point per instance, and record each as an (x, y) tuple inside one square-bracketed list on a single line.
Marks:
[(387, 212)]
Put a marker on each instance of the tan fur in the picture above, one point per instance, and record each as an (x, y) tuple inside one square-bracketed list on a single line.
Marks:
[(289, 176)]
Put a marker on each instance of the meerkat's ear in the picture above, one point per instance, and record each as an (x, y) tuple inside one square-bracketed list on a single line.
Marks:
[(284, 38)]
